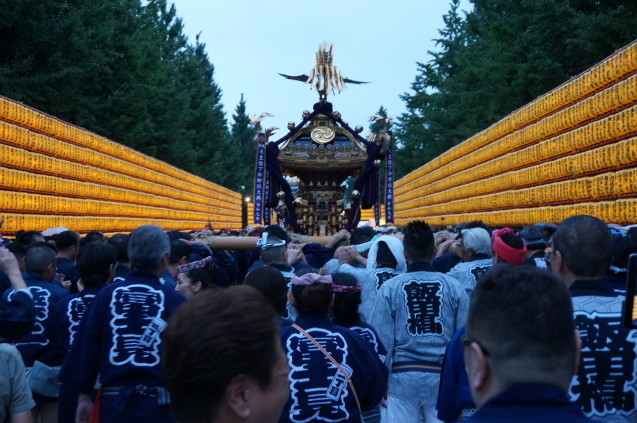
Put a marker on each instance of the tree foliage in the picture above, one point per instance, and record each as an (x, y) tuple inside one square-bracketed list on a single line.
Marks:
[(241, 152), (123, 69), (498, 57)]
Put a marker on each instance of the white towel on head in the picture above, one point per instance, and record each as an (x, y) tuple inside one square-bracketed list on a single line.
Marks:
[(53, 231), (395, 246)]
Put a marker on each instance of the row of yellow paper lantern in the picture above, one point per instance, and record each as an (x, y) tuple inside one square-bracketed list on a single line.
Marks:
[(368, 214), (613, 68), (38, 162), (579, 190), (568, 143), (15, 222), (14, 179), (600, 130), (37, 120), (619, 211), (22, 137), (38, 203), (623, 153)]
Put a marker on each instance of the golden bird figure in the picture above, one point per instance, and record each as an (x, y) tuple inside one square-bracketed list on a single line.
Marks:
[(378, 118), (256, 120), (325, 77)]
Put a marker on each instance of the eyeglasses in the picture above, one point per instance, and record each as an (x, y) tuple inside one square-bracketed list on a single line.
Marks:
[(548, 255), (467, 342)]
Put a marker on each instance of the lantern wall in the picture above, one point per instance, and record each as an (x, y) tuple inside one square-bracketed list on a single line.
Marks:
[(56, 174), (571, 151)]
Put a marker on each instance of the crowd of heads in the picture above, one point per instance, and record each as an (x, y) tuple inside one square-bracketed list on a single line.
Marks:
[(520, 326)]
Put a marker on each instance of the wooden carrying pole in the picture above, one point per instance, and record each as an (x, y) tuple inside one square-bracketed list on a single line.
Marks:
[(250, 242)]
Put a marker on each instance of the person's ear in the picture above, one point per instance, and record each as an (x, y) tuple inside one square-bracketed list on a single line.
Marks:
[(578, 350), (557, 261), (165, 260), (52, 269), (238, 394), (478, 369), (196, 287), (291, 299)]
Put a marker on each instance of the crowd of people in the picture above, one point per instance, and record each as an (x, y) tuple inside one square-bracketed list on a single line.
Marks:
[(412, 324)]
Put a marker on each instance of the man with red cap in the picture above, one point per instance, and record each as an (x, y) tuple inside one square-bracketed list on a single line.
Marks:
[(507, 247)]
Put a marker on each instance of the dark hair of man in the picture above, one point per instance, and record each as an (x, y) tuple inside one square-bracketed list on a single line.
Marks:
[(43, 244), (314, 298), (385, 257), (361, 235), (65, 240), (39, 256), (523, 317), (305, 270), (345, 307), (18, 250), (93, 236), (120, 242), (178, 249), (512, 240), (209, 340), (620, 250), (94, 263), (631, 235), (28, 237), (584, 243), (419, 241), (146, 247), (278, 232), (273, 255), (271, 284), (207, 275)]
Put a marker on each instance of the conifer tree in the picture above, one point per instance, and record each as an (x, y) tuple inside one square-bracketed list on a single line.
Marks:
[(498, 57), (241, 151)]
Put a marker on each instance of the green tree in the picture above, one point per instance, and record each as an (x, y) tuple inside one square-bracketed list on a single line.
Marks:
[(241, 151), (498, 57), (423, 131), (121, 69)]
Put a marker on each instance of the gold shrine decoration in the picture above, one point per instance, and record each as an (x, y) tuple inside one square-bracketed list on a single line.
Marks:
[(322, 135), (55, 174), (571, 151)]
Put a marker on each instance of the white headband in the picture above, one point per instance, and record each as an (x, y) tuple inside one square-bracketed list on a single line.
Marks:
[(262, 243)]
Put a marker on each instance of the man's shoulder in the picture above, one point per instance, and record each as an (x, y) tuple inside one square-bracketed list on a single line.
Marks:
[(9, 352), (67, 299), (466, 265), (397, 281), (423, 276), (594, 304), (528, 402), (132, 284), (57, 292)]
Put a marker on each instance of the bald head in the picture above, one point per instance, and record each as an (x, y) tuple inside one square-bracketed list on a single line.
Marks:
[(40, 260)]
